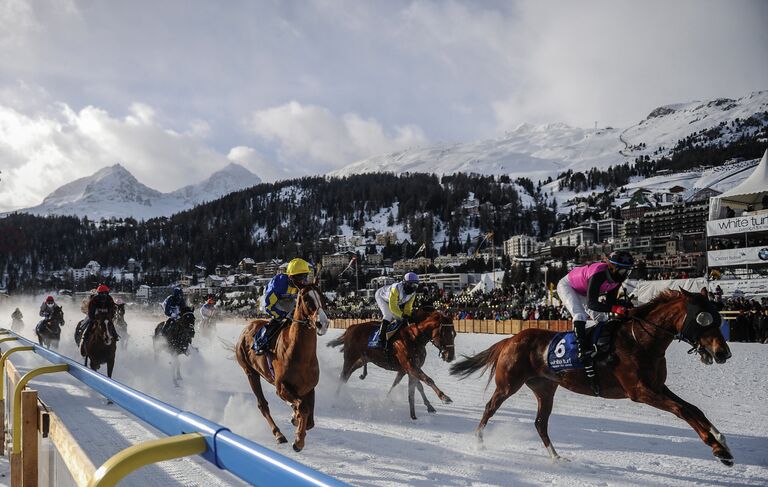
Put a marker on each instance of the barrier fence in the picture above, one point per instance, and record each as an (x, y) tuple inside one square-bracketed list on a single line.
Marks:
[(506, 327), (188, 433)]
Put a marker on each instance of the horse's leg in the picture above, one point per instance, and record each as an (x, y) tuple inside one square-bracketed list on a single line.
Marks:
[(398, 378), (545, 393), (310, 400), (365, 370), (666, 400), (110, 365), (411, 389), (419, 374), (255, 381), (420, 387), (347, 369)]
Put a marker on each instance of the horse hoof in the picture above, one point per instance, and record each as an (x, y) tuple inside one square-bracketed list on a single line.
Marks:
[(431, 410), (281, 439), (362, 377), (294, 422), (724, 456), (447, 400), (413, 417), (297, 448)]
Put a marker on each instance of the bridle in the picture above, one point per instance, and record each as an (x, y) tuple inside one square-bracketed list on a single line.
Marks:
[(695, 323), (441, 347), (309, 322)]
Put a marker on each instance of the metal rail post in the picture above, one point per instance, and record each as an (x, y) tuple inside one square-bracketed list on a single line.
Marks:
[(16, 464), (3, 358), (137, 456)]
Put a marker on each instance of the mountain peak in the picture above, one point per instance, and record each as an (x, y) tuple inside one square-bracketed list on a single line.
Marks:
[(113, 191)]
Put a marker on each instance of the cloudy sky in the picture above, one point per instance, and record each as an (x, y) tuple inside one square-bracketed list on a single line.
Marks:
[(175, 90)]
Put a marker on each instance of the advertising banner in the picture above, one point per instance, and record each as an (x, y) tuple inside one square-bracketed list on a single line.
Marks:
[(740, 224), (730, 257)]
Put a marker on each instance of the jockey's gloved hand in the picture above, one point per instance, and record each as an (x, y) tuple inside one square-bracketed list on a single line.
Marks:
[(619, 310)]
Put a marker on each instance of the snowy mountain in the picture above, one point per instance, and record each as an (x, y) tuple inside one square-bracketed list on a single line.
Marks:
[(231, 178), (540, 151), (114, 192)]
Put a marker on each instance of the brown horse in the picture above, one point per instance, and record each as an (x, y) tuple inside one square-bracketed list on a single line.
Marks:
[(641, 341), (100, 347), (295, 366), (406, 353)]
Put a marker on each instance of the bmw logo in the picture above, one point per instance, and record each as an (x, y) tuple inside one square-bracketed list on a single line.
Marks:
[(763, 254)]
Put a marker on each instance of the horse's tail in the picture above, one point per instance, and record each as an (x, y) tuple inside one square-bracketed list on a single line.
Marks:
[(483, 360), (340, 340)]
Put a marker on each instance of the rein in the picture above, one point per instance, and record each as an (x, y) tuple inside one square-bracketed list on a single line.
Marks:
[(676, 335)]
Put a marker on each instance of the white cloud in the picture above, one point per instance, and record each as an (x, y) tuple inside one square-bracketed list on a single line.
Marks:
[(40, 152), (312, 136), (267, 170)]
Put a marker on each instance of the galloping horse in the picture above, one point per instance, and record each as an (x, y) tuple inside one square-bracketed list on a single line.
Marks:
[(100, 347), (407, 355), (176, 336), (50, 333), (296, 371), (641, 341), (121, 326)]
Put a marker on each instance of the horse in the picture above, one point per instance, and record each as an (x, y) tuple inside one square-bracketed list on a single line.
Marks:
[(100, 347), (176, 337), (405, 355), (50, 332), (293, 368), (638, 372), (121, 326)]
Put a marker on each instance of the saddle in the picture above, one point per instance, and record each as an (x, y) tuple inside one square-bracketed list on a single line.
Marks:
[(563, 349), (264, 343), (373, 340)]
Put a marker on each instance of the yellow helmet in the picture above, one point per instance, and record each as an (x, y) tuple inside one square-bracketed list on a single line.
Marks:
[(297, 266)]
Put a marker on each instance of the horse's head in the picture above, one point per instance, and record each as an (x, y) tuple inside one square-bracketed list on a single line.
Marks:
[(701, 328), (309, 306), (443, 334)]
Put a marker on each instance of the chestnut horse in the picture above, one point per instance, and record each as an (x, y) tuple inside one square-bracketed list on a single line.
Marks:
[(640, 340), (100, 347), (406, 353), (295, 366)]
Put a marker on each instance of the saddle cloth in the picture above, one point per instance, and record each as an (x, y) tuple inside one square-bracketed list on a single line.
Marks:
[(373, 340), (563, 349)]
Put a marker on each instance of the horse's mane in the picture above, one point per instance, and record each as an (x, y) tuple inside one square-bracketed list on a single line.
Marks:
[(665, 297)]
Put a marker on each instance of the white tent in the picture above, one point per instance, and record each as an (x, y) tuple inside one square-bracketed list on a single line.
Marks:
[(750, 192)]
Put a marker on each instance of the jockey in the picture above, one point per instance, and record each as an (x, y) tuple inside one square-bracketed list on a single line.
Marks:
[(17, 315), (208, 310), (580, 292), (280, 298), (101, 307), (396, 302), (46, 311), (174, 305)]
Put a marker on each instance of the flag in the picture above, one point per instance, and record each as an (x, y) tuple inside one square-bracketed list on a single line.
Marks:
[(421, 249)]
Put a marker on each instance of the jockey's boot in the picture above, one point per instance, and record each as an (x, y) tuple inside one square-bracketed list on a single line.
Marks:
[(580, 330), (586, 355), (382, 343), (270, 328)]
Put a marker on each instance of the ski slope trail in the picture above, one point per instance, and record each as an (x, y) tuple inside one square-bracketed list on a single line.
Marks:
[(364, 437)]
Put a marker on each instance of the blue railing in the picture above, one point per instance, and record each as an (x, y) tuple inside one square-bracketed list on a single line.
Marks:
[(243, 458)]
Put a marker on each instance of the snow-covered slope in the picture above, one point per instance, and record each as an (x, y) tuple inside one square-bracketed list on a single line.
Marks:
[(545, 150), (114, 192)]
